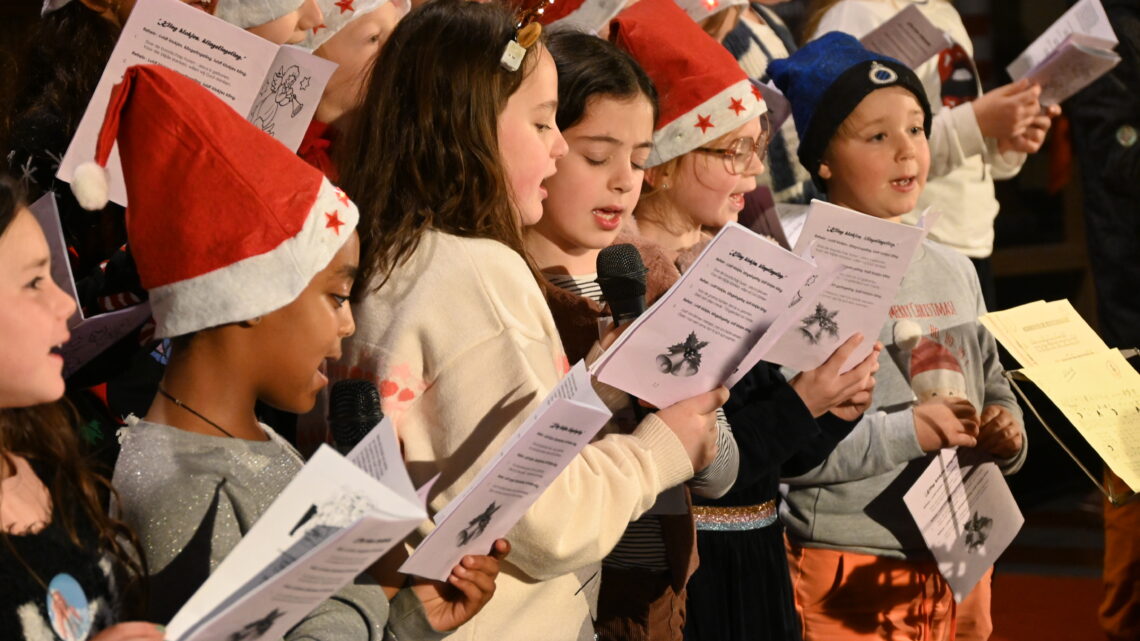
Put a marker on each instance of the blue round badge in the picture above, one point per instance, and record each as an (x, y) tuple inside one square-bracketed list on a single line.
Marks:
[(67, 608)]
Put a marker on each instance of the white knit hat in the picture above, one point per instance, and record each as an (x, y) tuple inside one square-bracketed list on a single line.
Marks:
[(704, 92), (225, 223)]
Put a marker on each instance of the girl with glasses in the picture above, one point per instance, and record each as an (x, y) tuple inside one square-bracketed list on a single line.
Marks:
[(707, 153)]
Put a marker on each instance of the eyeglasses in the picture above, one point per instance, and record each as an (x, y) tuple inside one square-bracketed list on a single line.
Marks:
[(739, 153)]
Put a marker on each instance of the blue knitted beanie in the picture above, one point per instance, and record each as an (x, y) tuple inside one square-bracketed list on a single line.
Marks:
[(825, 81)]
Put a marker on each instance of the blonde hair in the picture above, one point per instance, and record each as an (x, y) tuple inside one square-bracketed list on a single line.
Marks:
[(651, 205)]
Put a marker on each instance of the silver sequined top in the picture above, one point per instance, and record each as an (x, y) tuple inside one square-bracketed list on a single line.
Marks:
[(191, 497)]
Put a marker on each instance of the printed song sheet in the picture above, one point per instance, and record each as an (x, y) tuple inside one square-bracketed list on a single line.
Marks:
[(908, 37), (1100, 395), (1086, 17), (1038, 333), (331, 522), (566, 421), (875, 255), (1071, 54), (274, 87), (698, 333), (89, 336), (967, 516)]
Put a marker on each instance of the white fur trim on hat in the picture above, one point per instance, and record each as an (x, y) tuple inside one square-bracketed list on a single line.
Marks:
[(251, 13), (591, 16), (710, 120), (53, 5), (260, 284)]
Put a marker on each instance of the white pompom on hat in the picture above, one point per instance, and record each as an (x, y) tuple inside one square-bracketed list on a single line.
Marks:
[(704, 94), (225, 223)]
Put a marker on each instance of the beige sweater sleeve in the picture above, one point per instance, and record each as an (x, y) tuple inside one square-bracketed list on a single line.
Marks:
[(478, 400)]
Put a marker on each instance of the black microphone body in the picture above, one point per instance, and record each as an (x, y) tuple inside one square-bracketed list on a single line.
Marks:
[(621, 275), (354, 409)]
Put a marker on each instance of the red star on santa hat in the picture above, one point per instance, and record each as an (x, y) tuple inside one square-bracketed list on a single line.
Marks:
[(334, 222), (704, 122), (342, 197), (318, 28), (756, 91), (345, 5), (736, 104)]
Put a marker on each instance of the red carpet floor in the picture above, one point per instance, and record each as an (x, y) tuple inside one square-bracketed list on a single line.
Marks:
[(1034, 607)]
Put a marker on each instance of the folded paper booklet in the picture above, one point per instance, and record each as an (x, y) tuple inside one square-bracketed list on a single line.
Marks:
[(697, 335), (565, 422), (89, 336), (966, 513), (330, 523), (908, 37), (1072, 53), (875, 255), (276, 88)]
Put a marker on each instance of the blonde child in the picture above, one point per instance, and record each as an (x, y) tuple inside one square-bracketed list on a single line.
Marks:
[(859, 566)]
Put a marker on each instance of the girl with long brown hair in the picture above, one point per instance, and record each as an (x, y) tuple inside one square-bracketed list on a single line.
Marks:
[(63, 561), (447, 162)]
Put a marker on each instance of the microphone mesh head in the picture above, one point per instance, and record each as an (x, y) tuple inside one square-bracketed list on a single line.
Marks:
[(621, 273), (354, 408)]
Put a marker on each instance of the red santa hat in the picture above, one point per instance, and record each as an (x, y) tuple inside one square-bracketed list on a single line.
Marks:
[(704, 93), (935, 372), (584, 15), (225, 224)]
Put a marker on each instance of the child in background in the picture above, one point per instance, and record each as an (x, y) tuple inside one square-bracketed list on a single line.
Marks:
[(859, 564), (606, 110), (975, 137), (64, 565), (447, 160), (741, 589), (250, 279), (351, 38)]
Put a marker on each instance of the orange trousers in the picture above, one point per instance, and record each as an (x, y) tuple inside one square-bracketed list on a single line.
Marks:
[(847, 596)]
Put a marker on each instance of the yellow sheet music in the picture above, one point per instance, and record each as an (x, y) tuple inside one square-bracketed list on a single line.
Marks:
[(1038, 333), (1100, 395)]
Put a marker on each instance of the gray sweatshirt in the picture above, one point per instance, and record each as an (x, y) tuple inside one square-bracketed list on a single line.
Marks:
[(853, 500)]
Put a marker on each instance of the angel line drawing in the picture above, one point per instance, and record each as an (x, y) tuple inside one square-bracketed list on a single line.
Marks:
[(280, 90)]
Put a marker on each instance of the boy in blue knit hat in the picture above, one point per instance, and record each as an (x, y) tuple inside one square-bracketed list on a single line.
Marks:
[(860, 568)]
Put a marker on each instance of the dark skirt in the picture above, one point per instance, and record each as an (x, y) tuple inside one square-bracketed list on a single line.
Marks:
[(742, 591)]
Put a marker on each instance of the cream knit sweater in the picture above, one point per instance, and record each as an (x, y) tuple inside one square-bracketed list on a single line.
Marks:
[(462, 346)]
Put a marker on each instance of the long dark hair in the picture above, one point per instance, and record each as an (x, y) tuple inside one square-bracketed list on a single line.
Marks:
[(588, 67), (423, 151), (62, 61), (45, 435)]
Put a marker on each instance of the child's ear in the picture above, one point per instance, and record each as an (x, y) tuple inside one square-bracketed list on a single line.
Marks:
[(657, 177), (824, 170)]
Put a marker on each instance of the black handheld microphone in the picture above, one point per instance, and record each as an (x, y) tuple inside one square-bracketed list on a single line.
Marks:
[(354, 409), (621, 275)]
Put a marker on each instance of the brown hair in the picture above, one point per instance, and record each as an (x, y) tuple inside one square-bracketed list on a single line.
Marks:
[(45, 435), (423, 151)]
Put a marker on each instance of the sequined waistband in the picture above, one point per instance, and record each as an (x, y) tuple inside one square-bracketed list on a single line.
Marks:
[(731, 519)]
